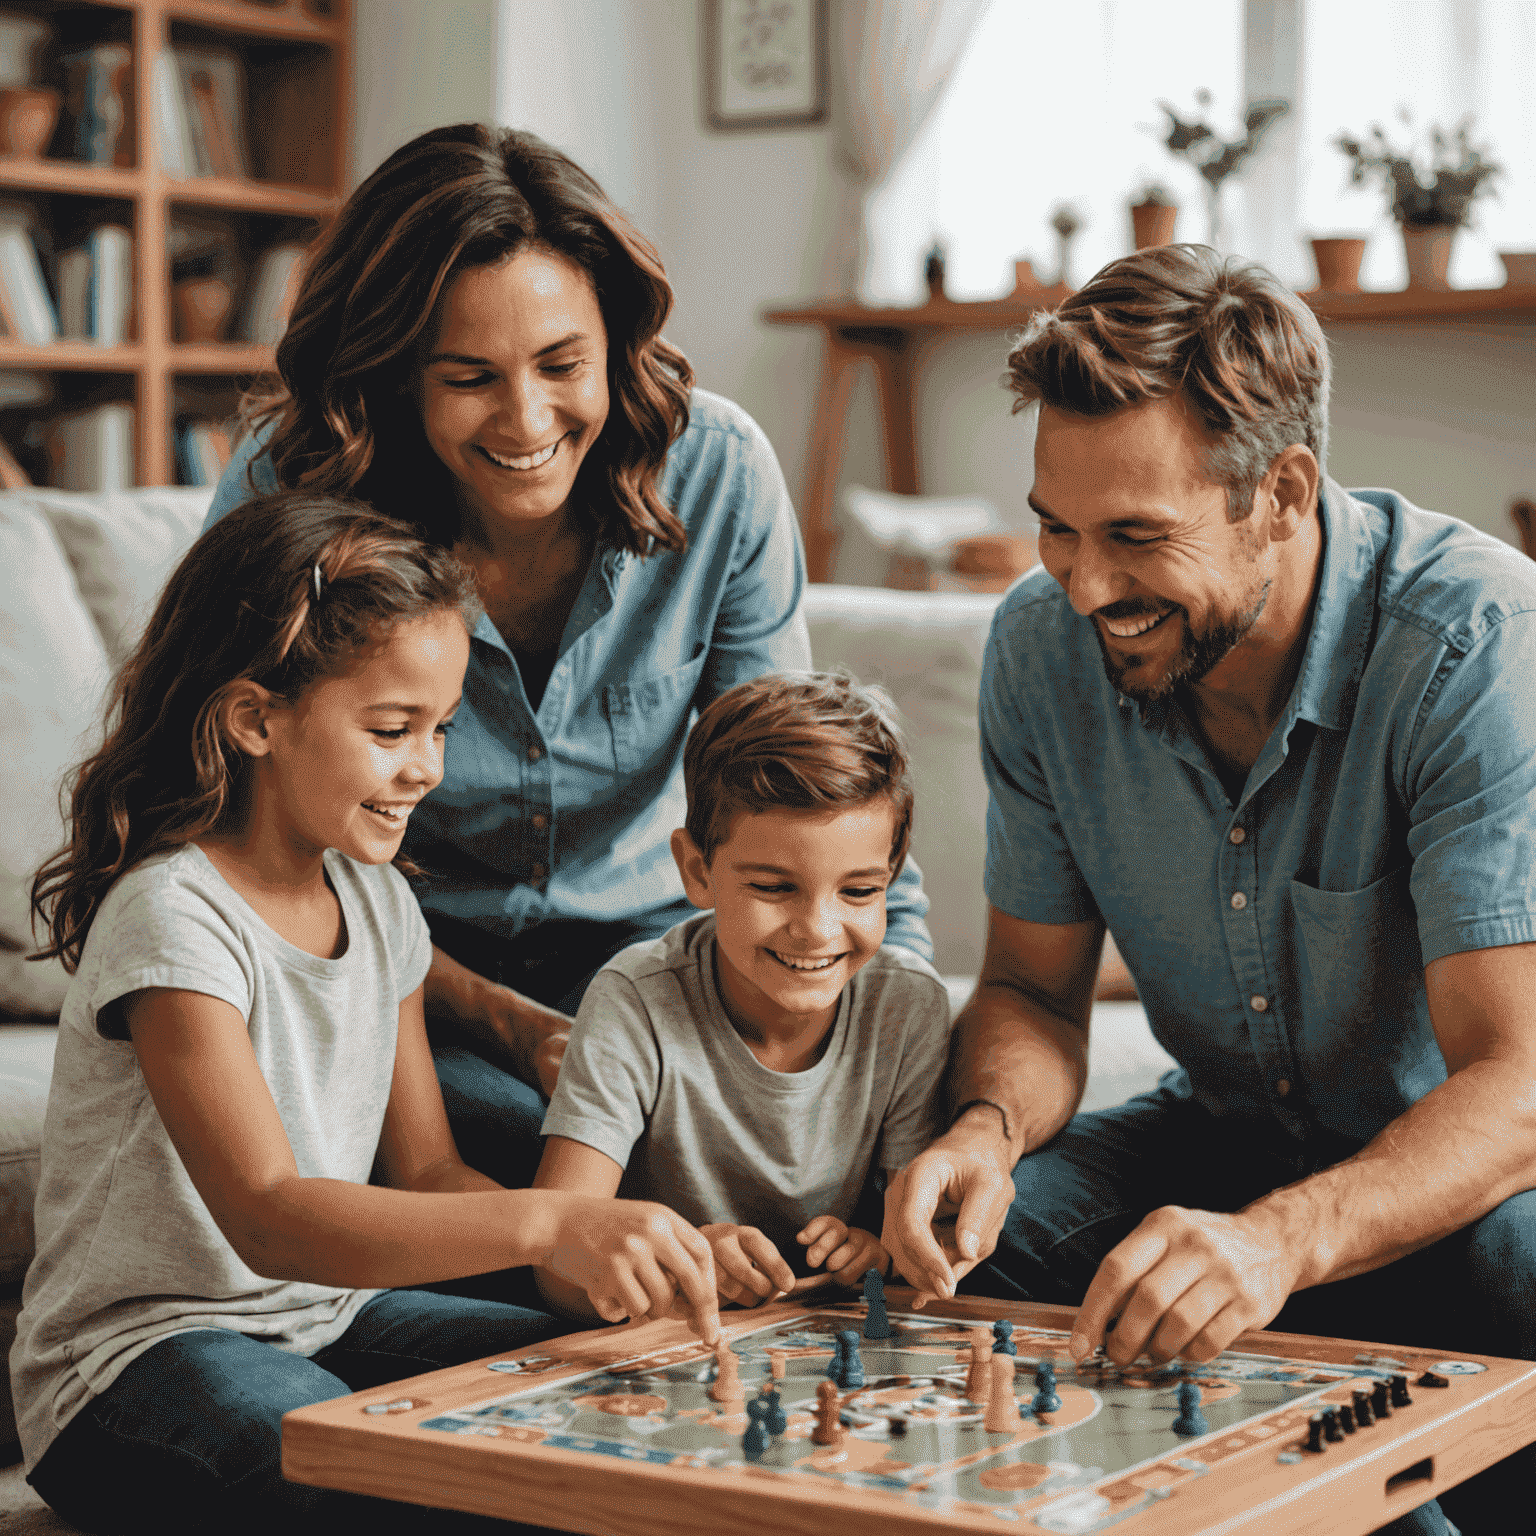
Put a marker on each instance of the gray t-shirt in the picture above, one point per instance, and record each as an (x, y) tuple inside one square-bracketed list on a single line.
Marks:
[(656, 1077), (127, 1252)]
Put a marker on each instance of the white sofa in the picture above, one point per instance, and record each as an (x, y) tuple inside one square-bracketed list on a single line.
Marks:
[(78, 575)]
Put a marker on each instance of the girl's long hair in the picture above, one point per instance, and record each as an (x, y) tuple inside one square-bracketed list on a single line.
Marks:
[(344, 416), (244, 604)]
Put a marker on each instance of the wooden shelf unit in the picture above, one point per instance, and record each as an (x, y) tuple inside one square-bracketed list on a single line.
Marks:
[(889, 337), (296, 65)]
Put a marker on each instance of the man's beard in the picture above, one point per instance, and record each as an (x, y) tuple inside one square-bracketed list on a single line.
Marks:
[(1198, 654)]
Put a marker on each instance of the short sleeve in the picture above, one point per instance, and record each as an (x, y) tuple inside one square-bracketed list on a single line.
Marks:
[(1471, 792), (610, 1074), (912, 1119), (165, 934), (1030, 871), (410, 945)]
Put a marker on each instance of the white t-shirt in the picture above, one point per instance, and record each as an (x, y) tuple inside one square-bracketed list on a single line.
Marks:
[(127, 1252), (656, 1077)]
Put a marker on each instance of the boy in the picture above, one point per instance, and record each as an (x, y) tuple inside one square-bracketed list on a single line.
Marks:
[(750, 1067)]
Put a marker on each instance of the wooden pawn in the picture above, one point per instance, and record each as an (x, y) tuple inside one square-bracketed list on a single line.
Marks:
[(1002, 1407), (978, 1384), (726, 1387), (829, 1428)]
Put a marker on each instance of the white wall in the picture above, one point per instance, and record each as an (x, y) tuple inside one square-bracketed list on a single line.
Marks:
[(1441, 413)]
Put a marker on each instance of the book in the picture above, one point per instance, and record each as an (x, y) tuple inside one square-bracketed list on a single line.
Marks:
[(92, 450), (95, 79), (96, 287), (173, 135), (213, 107), (73, 271), (273, 289), (20, 39), (26, 306)]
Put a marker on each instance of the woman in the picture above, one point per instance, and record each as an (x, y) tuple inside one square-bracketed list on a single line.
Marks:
[(476, 350)]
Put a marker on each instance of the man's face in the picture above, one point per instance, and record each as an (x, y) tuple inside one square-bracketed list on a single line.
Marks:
[(1139, 539)]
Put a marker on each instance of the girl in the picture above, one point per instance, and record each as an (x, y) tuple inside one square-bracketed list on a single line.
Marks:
[(243, 1042)]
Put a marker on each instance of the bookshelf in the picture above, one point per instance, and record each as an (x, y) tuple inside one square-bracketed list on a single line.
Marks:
[(291, 59)]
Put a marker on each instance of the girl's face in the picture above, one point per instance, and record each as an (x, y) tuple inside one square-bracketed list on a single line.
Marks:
[(350, 758), (515, 388)]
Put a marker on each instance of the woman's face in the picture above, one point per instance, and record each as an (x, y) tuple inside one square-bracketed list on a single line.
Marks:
[(515, 388)]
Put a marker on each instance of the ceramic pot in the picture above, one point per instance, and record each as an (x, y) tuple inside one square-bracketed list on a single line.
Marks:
[(1152, 223), (1519, 268), (1338, 263), (1428, 249), (27, 116), (201, 306)]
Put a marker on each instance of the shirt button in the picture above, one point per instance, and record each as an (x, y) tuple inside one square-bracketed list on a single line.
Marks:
[(535, 752), (1283, 1087), (1236, 835), (540, 821), (538, 872), (1258, 1004), (1239, 901)]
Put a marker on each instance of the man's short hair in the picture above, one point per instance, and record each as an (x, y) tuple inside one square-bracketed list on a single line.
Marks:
[(1225, 335), (800, 741)]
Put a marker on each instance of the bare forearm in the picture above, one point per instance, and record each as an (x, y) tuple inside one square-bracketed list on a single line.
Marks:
[(565, 1299), (1444, 1163)]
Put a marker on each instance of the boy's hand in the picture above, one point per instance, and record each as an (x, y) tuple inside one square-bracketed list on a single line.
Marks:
[(748, 1268), (846, 1251), (637, 1259)]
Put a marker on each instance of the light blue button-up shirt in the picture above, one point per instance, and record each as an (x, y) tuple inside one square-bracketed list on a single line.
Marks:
[(567, 811), (1279, 943)]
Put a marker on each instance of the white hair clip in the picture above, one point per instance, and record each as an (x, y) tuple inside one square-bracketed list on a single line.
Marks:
[(319, 577)]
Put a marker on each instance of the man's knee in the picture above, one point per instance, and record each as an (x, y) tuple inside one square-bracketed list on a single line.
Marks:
[(1499, 1263)]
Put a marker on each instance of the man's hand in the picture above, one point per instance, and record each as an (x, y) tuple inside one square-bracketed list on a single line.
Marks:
[(966, 1173), (846, 1251), (533, 1037), (748, 1268), (1187, 1283)]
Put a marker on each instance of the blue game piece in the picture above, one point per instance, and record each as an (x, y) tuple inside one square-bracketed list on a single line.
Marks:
[(1002, 1338), (775, 1418), (1046, 1399), (853, 1366), (1190, 1420), (835, 1364), (877, 1325), (755, 1441)]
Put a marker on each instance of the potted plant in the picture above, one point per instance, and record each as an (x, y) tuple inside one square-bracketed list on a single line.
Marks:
[(1431, 199), (1153, 216), (1214, 157)]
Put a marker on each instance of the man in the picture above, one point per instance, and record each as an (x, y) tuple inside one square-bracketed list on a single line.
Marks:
[(1281, 740)]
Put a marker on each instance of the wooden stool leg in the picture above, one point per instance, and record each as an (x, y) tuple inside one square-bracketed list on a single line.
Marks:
[(893, 376), (828, 426)]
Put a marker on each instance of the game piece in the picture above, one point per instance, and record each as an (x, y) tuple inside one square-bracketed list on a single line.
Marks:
[(835, 1364), (1363, 1415), (1315, 1432), (1046, 1399), (1190, 1420), (776, 1367), (1399, 1391), (1002, 1338), (1379, 1404), (1346, 1418), (1432, 1379), (877, 1325), (1331, 1427), (755, 1441), (774, 1419), (829, 1428), (978, 1384), (853, 1366), (898, 1428), (726, 1387), (1002, 1407)]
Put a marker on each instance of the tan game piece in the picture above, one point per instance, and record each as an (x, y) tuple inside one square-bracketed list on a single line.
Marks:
[(726, 1387), (1002, 1406), (776, 1367), (978, 1384), (829, 1428)]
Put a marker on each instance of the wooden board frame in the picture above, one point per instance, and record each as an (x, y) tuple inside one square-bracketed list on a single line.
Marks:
[(1360, 1484)]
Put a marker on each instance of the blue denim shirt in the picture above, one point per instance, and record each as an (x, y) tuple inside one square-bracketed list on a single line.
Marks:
[(1279, 944), (568, 811)]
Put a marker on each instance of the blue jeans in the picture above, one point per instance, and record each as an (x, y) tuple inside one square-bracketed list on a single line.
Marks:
[(1078, 1195), (188, 1438)]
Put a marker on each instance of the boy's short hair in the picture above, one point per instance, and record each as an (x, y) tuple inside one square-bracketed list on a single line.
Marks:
[(799, 741)]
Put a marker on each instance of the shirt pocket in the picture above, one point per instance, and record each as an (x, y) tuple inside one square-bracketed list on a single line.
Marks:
[(1357, 952), (649, 718)]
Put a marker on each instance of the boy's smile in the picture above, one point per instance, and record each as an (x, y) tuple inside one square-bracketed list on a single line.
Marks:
[(799, 903)]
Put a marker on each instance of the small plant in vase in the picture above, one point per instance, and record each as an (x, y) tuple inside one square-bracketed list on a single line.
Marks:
[(1153, 215), (1066, 221), (1431, 196), (1214, 157)]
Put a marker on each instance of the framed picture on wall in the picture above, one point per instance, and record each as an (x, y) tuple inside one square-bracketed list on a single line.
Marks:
[(765, 63)]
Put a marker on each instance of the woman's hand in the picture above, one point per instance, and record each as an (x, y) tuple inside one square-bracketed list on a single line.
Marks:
[(748, 1268), (847, 1252), (637, 1259)]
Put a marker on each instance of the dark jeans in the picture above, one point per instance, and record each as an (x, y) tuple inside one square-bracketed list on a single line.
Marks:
[(495, 1118), (188, 1438), (1082, 1192)]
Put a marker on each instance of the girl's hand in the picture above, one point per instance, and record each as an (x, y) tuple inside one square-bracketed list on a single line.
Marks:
[(846, 1251), (637, 1259), (748, 1268)]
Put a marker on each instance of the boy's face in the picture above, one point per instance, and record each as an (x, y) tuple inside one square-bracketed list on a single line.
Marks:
[(799, 902)]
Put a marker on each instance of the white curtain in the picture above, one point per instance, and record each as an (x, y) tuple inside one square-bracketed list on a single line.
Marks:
[(891, 62)]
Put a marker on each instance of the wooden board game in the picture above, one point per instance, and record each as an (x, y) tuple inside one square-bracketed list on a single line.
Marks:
[(617, 1430)]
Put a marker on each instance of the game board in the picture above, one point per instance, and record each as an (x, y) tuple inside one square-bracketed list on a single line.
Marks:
[(615, 1430)]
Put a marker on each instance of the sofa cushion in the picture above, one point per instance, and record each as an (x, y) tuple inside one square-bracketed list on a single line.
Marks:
[(26, 1063)]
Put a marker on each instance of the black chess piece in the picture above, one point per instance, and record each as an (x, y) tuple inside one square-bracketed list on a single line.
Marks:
[(1331, 1427), (1363, 1415), (1315, 1432), (1400, 1397), (1346, 1418), (1379, 1404)]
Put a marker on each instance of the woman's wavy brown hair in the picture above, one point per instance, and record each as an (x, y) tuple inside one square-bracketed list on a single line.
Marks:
[(345, 419), (1225, 335), (242, 605)]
